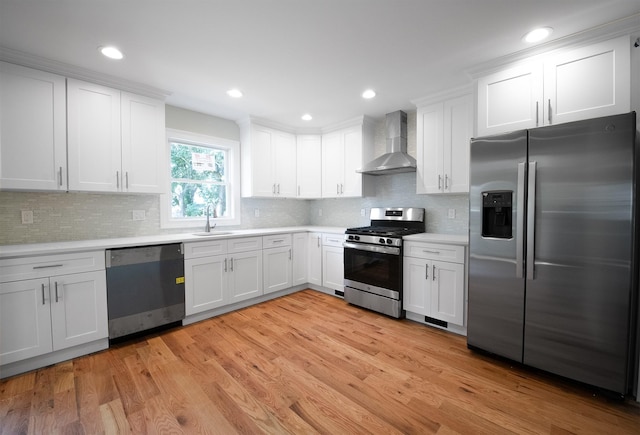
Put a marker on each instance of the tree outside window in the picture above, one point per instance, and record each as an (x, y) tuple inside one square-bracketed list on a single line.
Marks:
[(198, 180)]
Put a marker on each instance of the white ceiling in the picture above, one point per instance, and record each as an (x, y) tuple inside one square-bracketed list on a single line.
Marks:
[(290, 57)]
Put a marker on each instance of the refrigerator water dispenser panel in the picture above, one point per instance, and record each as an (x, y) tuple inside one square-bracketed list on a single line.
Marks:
[(497, 213)]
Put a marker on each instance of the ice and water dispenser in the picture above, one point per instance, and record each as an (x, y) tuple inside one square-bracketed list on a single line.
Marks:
[(497, 213)]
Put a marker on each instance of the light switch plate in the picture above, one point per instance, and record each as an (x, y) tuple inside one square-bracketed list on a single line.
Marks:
[(452, 213), (138, 215), (27, 216)]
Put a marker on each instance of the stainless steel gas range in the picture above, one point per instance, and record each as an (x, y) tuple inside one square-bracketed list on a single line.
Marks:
[(373, 259)]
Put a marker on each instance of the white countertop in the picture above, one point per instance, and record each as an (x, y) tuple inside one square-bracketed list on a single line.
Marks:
[(449, 239), (12, 251)]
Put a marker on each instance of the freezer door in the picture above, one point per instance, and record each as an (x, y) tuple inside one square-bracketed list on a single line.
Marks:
[(496, 286), (579, 290)]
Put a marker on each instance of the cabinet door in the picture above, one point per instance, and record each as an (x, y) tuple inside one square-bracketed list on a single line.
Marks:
[(447, 292), (78, 308), (245, 279), (262, 182), (309, 166), (352, 184), (314, 259), (33, 138), (276, 263), (458, 129), (333, 267), (93, 119), (333, 165), (416, 286), (299, 262), (205, 283), (430, 149), (510, 100), (25, 320), (589, 82), (143, 144), (284, 162)]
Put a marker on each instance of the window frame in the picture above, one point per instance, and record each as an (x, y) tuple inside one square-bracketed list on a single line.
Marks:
[(232, 147)]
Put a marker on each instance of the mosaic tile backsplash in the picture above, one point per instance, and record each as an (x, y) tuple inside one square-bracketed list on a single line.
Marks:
[(83, 216)]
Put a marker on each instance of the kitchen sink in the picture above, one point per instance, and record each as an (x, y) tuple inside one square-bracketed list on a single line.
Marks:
[(212, 233)]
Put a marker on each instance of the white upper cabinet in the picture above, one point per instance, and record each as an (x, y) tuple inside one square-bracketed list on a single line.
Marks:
[(144, 161), (115, 140), (583, 83), (443, 132), (95, 153), (268, 162), (33, 140), (344, 151), (309, 166)]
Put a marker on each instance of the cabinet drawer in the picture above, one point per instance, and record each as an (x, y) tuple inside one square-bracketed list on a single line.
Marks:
[(332, 240), (205, 249), (434, 251), (244, 244), (276, 240), (50, 265)]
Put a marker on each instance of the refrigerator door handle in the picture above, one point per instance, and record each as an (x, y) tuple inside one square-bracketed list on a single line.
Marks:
[(531, 220), (520, 222)]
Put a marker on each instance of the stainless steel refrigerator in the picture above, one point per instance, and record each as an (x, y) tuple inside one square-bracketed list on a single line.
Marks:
[(552, 239)]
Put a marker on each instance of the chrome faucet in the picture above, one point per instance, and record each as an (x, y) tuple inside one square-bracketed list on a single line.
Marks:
[(208, 227)]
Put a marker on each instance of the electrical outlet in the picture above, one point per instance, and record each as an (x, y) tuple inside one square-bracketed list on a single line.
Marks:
[(363, 212), (27, 216), (452, 213), (138, 215), (256, 212), (320, 212)]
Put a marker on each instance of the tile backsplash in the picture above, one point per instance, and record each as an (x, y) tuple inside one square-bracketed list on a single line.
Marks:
[(82, 216)]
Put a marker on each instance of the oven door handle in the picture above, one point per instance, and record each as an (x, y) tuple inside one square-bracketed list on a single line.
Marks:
[(372, 248)]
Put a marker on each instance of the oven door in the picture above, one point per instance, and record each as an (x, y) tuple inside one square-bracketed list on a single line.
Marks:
[(372, 268)]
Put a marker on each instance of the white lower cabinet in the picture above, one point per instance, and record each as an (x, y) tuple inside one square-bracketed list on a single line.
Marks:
[(221, 272), (51, 313), (277, 262), (314, 259), (434, 281), (333, 262), (300, 259)]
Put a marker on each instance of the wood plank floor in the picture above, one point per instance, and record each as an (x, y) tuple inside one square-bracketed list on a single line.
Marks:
[(304, 363)]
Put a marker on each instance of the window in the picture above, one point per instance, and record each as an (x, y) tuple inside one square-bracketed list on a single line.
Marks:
[(204, 175)]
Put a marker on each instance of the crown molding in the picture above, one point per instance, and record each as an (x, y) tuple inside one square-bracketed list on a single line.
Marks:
[(624, 26), (444, 95), (76, 72)]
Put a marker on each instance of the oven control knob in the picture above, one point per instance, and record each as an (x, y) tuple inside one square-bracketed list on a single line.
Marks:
[(357, 237), (381, 241), (389, 241), (350, 237)]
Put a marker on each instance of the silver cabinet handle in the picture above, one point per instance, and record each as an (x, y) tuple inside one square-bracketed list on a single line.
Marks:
[(439, 181), (231, 264), (338, 189), (278, 241), (56, 287), (426, 275), (433, 273), (278, 188), (430, 252), (549, 111), (537, 117), (531, 220), (42, 286), (60, 176), (47, 266), (520, 220), (117, 179), (289, 254), (446, 182), (341, 189), (225, 264), (318, 241)]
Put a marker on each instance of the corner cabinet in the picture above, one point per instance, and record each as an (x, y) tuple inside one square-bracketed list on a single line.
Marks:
[(268, 160), (434, 281), (443, 132), (33, 138), (344, 151), (308, 166), (582, 83), (51, 303), (115, 140)]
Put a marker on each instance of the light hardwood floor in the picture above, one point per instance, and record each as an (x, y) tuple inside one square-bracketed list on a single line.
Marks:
[(304, 363)]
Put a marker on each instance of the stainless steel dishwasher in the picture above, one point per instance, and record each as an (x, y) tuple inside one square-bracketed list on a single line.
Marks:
[(145, 288)]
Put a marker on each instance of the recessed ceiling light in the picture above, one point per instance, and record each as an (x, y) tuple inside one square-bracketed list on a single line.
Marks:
[(111, 52), (234, 93), (307, 117), (369, 93), (537, 35)]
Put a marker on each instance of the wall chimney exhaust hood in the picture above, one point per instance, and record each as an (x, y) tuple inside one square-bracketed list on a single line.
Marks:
[(395, 160)]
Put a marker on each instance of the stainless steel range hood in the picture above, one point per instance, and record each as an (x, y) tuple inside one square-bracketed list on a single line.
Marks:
[(396, 159)]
